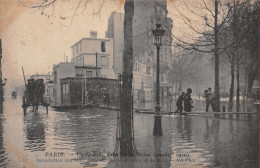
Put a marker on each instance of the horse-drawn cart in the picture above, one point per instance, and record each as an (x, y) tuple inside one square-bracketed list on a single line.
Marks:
[(34, 95)]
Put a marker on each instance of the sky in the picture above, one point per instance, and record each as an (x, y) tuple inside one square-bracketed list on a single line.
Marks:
[(38, 39)]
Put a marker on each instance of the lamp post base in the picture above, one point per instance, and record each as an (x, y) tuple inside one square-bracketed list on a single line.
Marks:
[(157, 130)]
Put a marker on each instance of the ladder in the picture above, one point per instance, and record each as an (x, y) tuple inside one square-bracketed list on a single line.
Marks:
[(84, 89)]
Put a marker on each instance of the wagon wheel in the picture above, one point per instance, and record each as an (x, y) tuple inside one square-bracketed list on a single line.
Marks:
[(24, 104)]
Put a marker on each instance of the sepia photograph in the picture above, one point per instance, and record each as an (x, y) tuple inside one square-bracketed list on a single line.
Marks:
[(129, 83)]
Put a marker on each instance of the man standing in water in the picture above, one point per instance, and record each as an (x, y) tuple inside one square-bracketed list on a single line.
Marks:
[(179, 103), (209, 99)]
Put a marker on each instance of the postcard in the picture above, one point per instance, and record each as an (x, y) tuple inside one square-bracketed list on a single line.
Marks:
[(129, 83)]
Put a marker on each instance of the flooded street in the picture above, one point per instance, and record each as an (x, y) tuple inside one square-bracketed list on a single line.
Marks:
[(85, 138)]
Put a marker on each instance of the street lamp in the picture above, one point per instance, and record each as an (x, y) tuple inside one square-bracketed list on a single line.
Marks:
[(158, 34)]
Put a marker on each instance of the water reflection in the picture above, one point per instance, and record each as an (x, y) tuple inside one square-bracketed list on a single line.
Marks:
[(34, 129), (158, 152), (210, 141), (3, 155)]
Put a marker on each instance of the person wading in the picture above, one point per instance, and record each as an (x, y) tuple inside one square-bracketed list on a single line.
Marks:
[(179, 103), (188, 101)]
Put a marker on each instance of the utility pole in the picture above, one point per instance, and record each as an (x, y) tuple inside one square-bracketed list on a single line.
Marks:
[(96, 64)]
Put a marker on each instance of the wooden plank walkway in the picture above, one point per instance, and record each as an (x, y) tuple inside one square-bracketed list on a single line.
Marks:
[(195, 112)]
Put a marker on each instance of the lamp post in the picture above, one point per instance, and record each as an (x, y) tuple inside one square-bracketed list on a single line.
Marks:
[(158, 33)]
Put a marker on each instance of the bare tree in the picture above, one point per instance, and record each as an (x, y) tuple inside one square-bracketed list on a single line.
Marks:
[(238, 34), (215, 15), (126, 142), (252, 15)]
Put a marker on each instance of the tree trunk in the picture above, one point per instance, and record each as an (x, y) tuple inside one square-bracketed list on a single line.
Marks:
[(126, 146), (231, 93), (238, 89), (216, 52), (253, 68), (180, 87), (245, 92)]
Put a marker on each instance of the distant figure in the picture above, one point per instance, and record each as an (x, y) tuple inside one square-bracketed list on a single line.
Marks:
[(106, 98), (90, 96), (14, 95), (188, 101), (179, 103), (209, 99)]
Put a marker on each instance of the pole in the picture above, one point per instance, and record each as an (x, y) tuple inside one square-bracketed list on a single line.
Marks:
[(85, 90), (1, 88), (83, 60), (96, 64), (24, 77), (157, 131), (82, 94)]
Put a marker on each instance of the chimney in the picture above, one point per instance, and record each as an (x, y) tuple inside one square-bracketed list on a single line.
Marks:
[(93, 34)]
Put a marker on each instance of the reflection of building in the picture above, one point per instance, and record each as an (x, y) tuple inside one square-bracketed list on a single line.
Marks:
[(145, 51), (95, 53)]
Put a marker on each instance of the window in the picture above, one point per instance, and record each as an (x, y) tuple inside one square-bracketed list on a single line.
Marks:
[(55, 76), (103, 62), (65, 92), (88, 74), (77, 47), (79, 75), (103, 46)]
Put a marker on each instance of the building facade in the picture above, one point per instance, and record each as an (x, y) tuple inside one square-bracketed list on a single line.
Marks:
[(60, 71), (145, 50), (95, 53), (115, 30), (76, 91)]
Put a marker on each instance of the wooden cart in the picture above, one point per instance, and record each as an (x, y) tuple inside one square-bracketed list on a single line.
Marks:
[(34, 95)]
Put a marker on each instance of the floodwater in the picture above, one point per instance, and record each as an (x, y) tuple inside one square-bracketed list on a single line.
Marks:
[(87, 138)]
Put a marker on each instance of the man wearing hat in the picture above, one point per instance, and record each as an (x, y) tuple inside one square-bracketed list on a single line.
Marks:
[(188, 101), (209, 99)]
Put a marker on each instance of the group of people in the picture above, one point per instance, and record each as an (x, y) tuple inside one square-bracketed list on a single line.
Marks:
[(35, 90), (188, 103), (94, 95), (186, 98)]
